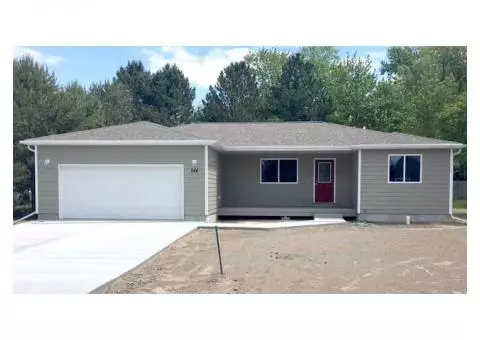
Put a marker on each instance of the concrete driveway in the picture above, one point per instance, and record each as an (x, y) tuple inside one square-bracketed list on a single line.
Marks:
[(77, 257)]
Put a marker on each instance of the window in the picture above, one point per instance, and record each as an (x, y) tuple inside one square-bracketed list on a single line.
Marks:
[(405, 169), (278, 170), (324, 172)]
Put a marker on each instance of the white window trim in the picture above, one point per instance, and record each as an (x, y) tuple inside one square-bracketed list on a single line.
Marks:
[(334, 159), (278, 169), (404, 167)]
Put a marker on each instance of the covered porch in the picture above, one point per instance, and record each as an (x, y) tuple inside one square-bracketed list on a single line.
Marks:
[(286, 211), (287, 184)]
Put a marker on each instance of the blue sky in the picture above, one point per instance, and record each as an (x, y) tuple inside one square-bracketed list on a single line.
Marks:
[(200, 64)]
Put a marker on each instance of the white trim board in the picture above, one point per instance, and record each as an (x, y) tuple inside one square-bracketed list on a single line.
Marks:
[(404, 167), (334, 159), (117, 142), (216, 145), (407, 146), (267, 148)]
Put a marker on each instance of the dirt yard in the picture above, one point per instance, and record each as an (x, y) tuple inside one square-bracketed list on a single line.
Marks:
[(327, 259)]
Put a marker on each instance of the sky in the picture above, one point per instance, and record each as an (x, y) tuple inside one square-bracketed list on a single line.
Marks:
[(201, 65)]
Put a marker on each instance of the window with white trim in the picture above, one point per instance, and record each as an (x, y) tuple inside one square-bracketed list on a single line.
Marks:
[(405, 168), (283, 170)]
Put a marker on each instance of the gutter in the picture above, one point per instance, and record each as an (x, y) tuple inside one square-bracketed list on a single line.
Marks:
[(36, 187), (407, 146), (285, 148), (169, 142)]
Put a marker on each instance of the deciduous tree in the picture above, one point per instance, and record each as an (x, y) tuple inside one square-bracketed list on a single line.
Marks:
[(352, 86)]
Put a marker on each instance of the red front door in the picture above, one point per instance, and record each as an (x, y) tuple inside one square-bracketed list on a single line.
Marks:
[(324, 180)]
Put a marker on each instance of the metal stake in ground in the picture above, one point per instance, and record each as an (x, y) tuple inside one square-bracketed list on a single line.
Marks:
[(218, 251)]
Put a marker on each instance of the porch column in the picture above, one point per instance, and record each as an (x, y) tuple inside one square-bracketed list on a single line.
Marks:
[(359, 180), (450, 189)]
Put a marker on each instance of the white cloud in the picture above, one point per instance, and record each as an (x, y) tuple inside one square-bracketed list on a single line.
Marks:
[(37, 55), (201, 69)]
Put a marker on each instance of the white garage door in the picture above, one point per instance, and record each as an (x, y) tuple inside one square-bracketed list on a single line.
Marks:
[(120, 191)]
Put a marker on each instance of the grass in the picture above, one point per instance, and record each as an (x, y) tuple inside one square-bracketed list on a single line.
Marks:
[(460, 208), (460, 204)]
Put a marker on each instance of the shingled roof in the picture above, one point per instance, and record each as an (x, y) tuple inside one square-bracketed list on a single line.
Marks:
[(300, 134), (235, 136), (143, 131)]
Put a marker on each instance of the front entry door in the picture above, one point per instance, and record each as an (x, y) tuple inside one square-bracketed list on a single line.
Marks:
[(324, 180)]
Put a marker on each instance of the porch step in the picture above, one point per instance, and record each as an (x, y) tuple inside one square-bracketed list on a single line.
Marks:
[(327, 216)]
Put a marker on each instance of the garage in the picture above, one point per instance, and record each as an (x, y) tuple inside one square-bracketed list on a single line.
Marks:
[(121, 191)]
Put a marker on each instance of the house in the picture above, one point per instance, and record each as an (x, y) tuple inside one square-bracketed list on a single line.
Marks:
[(201, 171)]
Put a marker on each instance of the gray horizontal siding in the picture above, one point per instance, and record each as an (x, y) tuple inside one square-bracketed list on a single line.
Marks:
[(194, 184), (213, 182), (240, 181), (429, 197)]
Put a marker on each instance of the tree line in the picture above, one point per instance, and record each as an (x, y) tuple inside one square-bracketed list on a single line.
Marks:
[(417, 90)]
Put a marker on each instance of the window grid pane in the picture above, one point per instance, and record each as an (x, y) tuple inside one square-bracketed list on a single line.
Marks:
[(396, 169), (412, 169), (288, 170), (269, 171)]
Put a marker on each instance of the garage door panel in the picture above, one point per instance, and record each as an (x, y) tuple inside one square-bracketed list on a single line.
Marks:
[(121, 191)]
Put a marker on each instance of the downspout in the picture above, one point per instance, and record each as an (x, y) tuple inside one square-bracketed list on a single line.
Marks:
[(453, 154), (36, 188)]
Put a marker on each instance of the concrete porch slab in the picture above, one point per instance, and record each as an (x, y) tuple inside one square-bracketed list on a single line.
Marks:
[(242, 224)]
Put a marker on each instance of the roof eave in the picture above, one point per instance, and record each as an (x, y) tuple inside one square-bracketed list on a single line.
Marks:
[(407, 146), (218, 146), (287, 148), (339, 148), (53, 142)]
